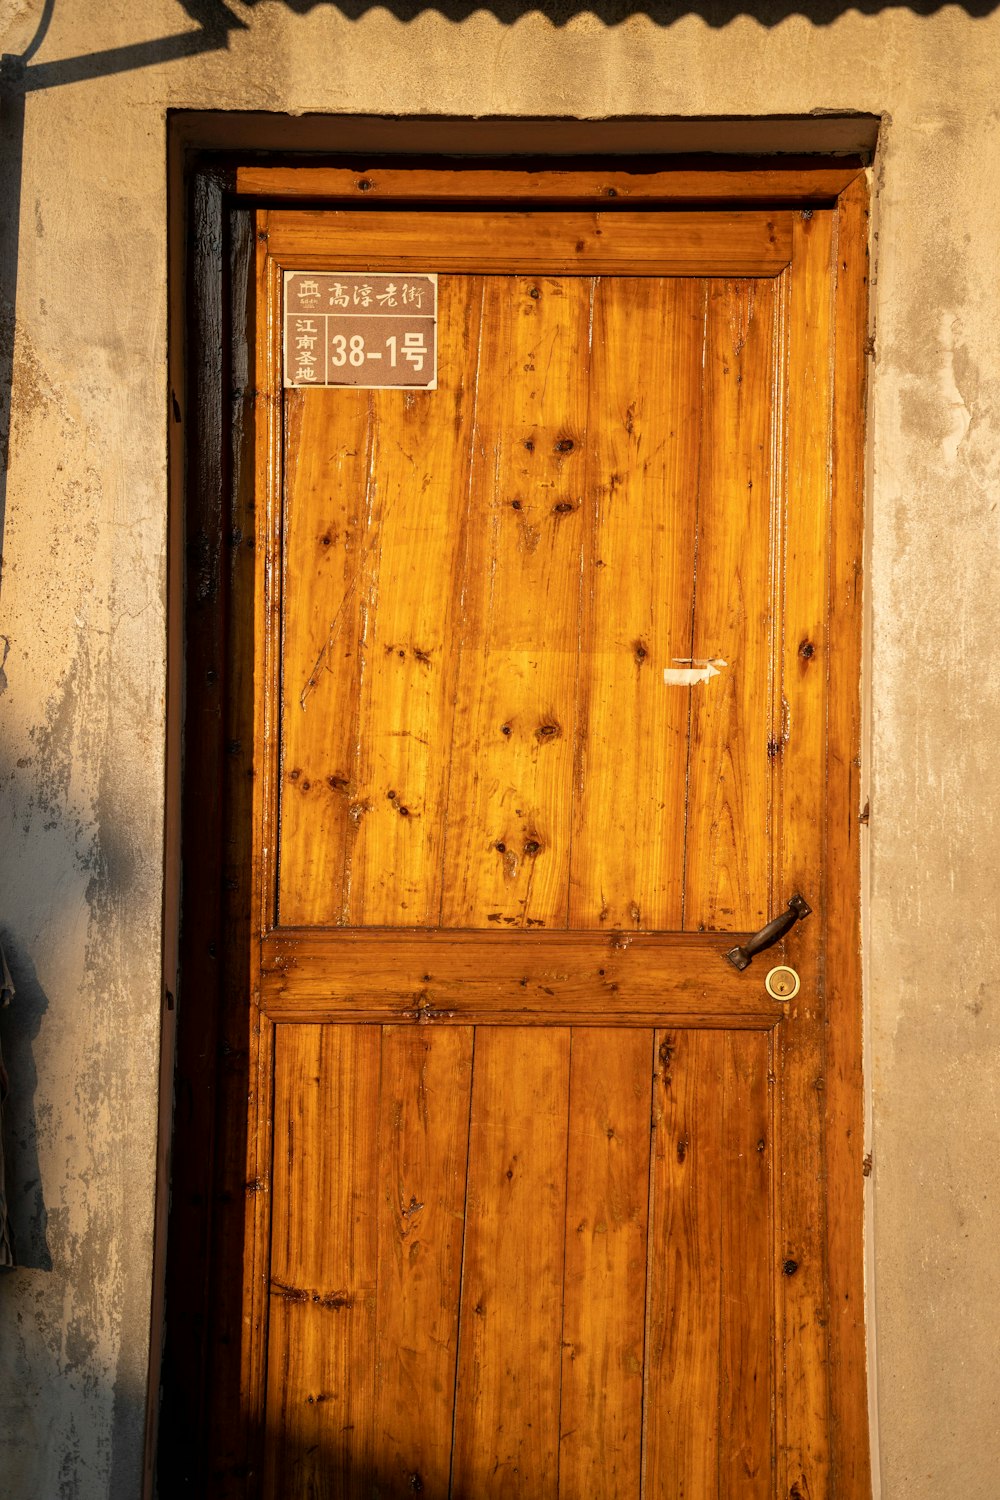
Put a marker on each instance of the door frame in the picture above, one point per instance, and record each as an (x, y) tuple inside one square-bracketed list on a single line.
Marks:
[(207, 1066)]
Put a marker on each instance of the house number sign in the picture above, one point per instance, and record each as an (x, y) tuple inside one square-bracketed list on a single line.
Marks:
[(369, 330)]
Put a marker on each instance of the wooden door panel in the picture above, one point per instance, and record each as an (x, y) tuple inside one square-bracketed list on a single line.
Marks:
[(685, 1287), (324, 1260), (548, 1247), (407, 667), (644, 434), (746, 1359), (509, 815), (735, 614), (374, 537), (484, 586), (507, 1394), (425, 1099)]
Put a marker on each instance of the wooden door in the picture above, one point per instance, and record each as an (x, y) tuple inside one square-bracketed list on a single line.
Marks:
[(544, 1194)]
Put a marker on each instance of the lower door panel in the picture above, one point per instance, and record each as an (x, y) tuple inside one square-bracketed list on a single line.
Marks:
[(520, 1261)]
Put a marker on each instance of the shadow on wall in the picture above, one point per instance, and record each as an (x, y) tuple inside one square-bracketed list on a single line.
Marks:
[(19, 1026), (216, 20)]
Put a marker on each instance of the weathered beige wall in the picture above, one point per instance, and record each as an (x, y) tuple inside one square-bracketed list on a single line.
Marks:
[(83, 608)]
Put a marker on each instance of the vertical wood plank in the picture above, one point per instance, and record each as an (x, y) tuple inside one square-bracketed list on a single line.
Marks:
[(644, 436), (844, 1082), (746, 1327), (424, 1127), (330, 512), (376, 510), (321, 1374), (607, 1191), (507, 1411), (420, 466), (728, 845), (681, 1439), (802, 1301), (509, 800), (252, 703)]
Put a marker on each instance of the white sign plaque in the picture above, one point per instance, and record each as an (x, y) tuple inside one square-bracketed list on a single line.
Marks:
[(369, 330)]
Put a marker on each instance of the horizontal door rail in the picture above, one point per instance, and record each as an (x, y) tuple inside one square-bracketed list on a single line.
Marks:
[(611, 183), (674, 242), (528, 978)]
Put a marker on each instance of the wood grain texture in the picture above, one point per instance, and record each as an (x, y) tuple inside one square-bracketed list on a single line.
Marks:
[(674, 242), (727, 846), (644, 435), (423, 1135), (369, 1190), (509, 816), (658, 181), (265, 611), (246, 1068), (681, 1434), (507, 1400), (326, 567), (324, 1247), (746, 1333), (604, 1283), (483, 587), (421, 458), (804, 1449), (529, 978), (709, 1338), (375, 534), (845, 1143)]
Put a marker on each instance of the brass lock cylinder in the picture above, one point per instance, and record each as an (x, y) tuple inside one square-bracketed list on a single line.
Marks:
[(782, 983)]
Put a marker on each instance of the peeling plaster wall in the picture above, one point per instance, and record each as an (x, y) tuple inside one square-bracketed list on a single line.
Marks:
[(83, 614)]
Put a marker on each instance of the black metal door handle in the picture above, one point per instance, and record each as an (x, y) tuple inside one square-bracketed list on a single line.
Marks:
[(770, 934)]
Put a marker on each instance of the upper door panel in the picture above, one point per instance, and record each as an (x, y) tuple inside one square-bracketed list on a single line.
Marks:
[(528, 662)]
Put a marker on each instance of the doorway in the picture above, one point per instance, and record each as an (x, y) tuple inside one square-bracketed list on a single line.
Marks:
[(536, 695)]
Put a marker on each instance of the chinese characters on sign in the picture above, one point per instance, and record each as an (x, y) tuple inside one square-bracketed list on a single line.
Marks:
[(364, 329)]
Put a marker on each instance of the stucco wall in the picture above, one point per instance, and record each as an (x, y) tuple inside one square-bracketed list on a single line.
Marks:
[(83, 614)]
